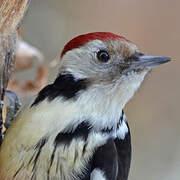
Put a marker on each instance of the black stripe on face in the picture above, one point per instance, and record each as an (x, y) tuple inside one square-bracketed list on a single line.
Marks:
[(65, 86), (82, 131)]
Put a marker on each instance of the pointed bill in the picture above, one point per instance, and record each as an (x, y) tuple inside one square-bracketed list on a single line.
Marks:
[(151, 61)]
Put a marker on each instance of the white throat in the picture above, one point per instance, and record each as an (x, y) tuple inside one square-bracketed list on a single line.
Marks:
[(105, 103), (100, 105)]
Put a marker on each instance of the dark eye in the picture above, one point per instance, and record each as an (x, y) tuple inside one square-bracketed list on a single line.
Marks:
[(103, 56)]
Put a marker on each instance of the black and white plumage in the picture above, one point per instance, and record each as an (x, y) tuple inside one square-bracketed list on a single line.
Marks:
[(76, 128), (112, 160)]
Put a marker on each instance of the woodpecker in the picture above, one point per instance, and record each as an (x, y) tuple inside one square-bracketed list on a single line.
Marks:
[(76, 129)]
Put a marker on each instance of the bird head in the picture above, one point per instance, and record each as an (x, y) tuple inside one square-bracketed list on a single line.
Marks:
[(108, 62), (99, 73)]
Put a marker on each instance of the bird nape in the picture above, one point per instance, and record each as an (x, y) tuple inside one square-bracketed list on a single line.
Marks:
[(76, 128)]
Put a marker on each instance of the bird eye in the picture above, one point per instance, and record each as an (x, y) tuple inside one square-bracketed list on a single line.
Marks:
[(103, 56)]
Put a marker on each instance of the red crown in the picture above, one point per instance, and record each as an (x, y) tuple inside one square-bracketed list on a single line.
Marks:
[(85, 38)]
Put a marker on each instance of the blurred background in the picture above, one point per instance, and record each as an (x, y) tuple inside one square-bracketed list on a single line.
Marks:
[(154, 26)]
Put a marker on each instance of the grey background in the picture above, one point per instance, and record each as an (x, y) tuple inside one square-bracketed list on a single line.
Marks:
[(154, 26)]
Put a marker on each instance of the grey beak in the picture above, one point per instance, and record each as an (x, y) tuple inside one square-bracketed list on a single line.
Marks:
[(151, 61)]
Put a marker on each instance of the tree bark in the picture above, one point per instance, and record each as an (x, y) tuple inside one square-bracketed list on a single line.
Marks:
[(11, 15)]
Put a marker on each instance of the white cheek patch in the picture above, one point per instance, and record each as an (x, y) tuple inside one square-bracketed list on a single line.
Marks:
[(79, 61), (97, 174)]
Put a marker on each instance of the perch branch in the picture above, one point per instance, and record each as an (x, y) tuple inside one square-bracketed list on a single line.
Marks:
[(11, 15)]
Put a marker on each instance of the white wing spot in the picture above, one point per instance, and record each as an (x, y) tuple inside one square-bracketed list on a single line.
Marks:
[(97, 174)]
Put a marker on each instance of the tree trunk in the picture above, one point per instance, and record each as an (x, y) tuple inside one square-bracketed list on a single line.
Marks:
[(11, 15)]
